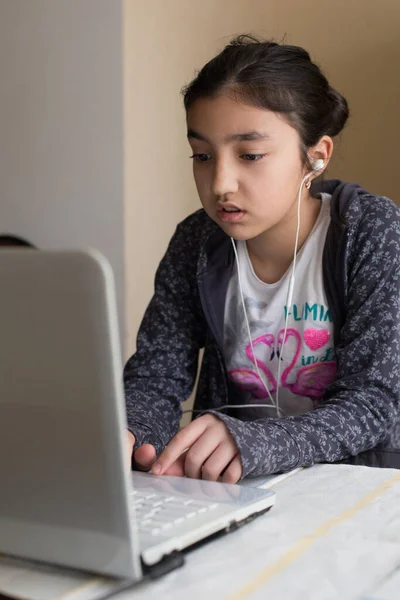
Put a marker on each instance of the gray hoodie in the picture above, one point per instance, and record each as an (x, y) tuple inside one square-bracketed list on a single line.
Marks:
[(358, 418)]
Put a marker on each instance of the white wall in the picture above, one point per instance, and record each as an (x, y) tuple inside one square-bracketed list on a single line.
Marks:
[(61, 125)]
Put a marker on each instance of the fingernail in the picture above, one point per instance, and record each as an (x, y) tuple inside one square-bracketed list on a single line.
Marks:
[(156, 468)]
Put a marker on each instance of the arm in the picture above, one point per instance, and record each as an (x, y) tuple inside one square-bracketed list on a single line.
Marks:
[(161, 374), (359, 407)]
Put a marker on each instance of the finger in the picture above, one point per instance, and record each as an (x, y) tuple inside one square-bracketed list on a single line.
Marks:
[(218, 461), (183, 440), (234, 472), (145, 456), (201, 450), (177, 469)]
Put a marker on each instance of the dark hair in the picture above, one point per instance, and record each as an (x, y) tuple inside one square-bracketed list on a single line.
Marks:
[(276, 77), (14, 241)]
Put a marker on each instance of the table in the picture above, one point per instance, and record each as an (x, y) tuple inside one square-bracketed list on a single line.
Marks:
[(334, 533)]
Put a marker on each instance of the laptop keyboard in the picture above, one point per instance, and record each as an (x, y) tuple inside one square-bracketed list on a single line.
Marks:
[(158, 514)]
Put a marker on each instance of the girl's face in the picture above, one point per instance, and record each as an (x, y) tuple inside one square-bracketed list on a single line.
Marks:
[(247, 165)]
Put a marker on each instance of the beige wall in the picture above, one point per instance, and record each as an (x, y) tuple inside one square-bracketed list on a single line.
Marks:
[(357, 43), (166, 40)]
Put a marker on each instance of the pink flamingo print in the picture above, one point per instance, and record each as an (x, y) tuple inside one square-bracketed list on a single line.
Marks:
[(311, 380), (248, 379)]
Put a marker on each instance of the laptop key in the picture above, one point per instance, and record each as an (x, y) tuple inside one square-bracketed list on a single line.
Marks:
[(157, 513)]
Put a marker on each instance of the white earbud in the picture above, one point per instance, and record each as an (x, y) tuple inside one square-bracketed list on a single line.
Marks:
[(317, 164)]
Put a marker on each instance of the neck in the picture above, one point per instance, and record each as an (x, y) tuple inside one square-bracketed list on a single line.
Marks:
[(271, 253)]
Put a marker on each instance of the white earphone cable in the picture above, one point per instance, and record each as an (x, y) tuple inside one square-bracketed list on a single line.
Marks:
[(289, 296), (272, 405), (184, 412)]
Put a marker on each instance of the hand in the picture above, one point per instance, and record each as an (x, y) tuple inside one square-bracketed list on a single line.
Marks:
[(204, 449), (144, 455)]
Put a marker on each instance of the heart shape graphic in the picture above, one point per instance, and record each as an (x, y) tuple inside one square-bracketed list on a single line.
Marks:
[(316, 338)]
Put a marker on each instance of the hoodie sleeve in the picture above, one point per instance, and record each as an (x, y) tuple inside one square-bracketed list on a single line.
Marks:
[(360, 406), (161, 374)]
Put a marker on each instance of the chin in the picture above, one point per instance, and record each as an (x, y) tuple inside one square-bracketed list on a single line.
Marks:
[(239, 233), (239, 236)]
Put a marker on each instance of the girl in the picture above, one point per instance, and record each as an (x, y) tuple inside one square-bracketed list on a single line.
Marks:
[(291, 286)]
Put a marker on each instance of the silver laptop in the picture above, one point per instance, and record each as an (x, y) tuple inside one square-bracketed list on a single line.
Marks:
[(67, 496)]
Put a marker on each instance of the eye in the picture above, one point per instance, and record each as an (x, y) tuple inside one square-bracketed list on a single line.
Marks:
[(252, 157), (201, 157)]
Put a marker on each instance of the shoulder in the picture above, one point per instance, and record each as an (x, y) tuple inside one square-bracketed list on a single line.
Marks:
[(197, 224), (373, 223), (368, 210), (372, 243), (353, 205), (186, 245), (192, 233), (361, 215)]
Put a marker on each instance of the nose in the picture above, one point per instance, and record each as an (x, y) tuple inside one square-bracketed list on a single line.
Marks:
[(224, 179)]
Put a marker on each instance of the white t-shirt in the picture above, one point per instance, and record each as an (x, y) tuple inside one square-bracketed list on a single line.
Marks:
[(307, 356)]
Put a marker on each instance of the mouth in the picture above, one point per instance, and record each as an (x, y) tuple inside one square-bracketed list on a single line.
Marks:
[(230, 214)]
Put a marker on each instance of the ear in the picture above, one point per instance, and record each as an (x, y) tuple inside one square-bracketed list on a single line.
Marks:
[(322, 150)]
